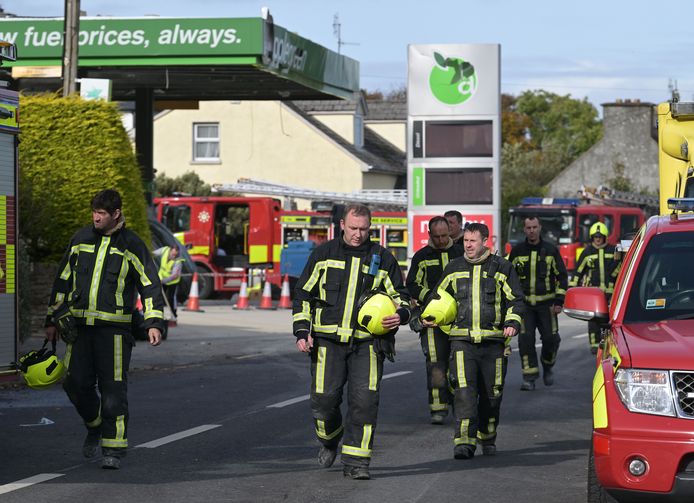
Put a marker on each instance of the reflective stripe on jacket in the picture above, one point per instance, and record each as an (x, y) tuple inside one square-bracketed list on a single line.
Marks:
[(596, 267), (541, 271), (426, 269)]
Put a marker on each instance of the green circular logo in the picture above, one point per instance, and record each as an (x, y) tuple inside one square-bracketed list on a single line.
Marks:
[(452, 80)]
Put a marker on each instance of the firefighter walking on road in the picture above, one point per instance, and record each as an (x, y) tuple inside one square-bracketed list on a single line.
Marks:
[(425, 271), (348, 304), (489, 302), (92, 299), (597, 266), (544, 280)]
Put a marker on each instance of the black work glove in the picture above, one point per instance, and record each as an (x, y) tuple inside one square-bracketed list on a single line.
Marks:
[(415, 321), (300, 334), (65, 323), (384, 345)]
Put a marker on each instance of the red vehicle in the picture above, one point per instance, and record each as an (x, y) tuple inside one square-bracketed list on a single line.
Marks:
[(225, 236), (643, 389), (566, 222)]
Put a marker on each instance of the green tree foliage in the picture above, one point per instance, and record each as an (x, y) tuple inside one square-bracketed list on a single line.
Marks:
[(189, 183), (70, 149), (542, 133)]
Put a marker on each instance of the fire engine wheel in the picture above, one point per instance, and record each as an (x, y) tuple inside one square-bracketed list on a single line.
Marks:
[(205, 282), (596, 493)]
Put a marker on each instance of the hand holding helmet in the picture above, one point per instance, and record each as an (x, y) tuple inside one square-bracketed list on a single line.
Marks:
[(65, 322)]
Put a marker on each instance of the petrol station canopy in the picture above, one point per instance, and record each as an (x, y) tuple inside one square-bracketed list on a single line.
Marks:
[(182, 59)]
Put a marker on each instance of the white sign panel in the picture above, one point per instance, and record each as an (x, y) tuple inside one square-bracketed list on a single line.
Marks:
[(454, 79)]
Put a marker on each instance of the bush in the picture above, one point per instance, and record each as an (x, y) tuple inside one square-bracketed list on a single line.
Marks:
[(70, 149)]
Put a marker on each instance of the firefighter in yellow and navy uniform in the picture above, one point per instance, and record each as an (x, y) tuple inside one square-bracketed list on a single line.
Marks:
[(544, 279), (597, 266), (170, 269), (490, 306), (338, 276), (425, 271), (103, 268)]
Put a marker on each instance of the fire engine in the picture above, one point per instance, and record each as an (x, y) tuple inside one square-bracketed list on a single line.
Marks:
[(228, 235), (566, 221)]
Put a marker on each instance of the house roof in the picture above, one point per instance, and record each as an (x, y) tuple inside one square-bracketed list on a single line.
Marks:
[(378, 153), (387, 111)]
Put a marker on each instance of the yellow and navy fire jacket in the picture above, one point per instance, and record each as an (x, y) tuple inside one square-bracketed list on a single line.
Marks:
[(427, 267), (489, 298), (597, 267), (541, 271), (327, 294), (100, 275)]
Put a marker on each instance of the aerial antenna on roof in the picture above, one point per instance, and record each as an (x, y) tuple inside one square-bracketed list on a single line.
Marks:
[(337, 29), (674, 92)]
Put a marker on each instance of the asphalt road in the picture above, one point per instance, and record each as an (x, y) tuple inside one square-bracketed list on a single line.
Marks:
[(220, 412)]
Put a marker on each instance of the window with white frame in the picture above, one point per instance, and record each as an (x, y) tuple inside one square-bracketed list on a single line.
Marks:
[(206, 142)]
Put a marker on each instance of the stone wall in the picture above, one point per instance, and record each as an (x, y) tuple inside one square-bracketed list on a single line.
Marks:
[(41, 278), (627, 141)]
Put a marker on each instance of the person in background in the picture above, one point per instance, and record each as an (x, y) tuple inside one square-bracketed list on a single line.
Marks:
[(170, 269), (423, 276), (455, 224)]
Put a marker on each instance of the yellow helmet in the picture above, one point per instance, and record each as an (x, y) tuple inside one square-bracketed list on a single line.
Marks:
[(372, 310), (41, 369), (441, 310), (598, 228)]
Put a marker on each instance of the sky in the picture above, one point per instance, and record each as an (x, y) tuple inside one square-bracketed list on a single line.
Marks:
[(599, 50)]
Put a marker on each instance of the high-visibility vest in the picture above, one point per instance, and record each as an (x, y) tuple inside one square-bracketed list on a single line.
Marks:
[(167, 265)]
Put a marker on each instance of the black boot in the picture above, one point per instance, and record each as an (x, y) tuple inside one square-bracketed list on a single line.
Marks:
[(356, 472), (91, 442)]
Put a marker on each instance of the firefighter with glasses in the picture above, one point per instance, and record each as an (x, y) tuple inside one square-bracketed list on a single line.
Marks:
[(424, 273), (489, 301), (544, 280), (348, 304), (597, 266)]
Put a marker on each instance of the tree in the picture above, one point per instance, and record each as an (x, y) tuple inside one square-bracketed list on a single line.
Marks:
[(189, 183)]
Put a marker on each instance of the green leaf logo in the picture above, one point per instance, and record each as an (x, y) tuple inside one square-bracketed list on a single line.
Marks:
[(452, 80)]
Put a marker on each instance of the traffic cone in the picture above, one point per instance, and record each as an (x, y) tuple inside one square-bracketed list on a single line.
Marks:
[(285, 297), (266, 299), (242, 302), (193, 303)]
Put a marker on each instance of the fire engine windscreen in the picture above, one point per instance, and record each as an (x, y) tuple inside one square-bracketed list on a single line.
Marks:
[(556, 227)]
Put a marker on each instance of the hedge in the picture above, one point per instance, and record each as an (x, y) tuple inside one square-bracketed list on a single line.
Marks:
[(69, 150)]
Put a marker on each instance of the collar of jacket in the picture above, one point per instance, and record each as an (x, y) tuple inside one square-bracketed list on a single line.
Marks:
[(448, 245), (599, 247), (119, 225), (481, 258), (536, 245), (359, 250)]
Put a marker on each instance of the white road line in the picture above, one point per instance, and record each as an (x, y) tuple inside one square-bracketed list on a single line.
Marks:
[(581, 336), (291, 401), (397, 374), (36, 479), (178, 436), (302, 398)]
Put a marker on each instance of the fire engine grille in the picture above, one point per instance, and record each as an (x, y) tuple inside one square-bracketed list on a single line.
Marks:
[(684, 385)]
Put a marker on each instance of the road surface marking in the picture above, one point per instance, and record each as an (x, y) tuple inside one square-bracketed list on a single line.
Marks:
[(581, 336), (302, 398), (36, 479), (178, 436)]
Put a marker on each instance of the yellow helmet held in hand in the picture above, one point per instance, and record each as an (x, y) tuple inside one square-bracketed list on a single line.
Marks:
[(441, 309), (598, 228), (372, 310), (41, 369)]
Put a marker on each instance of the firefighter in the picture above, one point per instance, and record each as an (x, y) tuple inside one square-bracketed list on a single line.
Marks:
[(170, 269), (455, 224), (103, 268), (424, 273), (339, 277), (597, 266), (544, 280), (489, 310)]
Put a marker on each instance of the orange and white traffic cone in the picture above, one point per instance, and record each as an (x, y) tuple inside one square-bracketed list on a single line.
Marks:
[(193, 303), (266, 299), (242, 302), (285, 297)]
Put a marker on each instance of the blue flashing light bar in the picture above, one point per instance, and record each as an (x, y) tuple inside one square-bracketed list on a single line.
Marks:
[(680, 204), (551, 200)]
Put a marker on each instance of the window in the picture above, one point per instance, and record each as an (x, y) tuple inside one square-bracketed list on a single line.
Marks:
[(628, 226), (663, 285), (177, 218), (206, 142)]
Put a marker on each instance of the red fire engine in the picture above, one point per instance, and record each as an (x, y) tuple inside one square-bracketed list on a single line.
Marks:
[(225, 236), (566, 223)]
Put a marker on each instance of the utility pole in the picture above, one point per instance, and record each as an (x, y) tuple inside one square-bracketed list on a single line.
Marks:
[(71, 46)]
